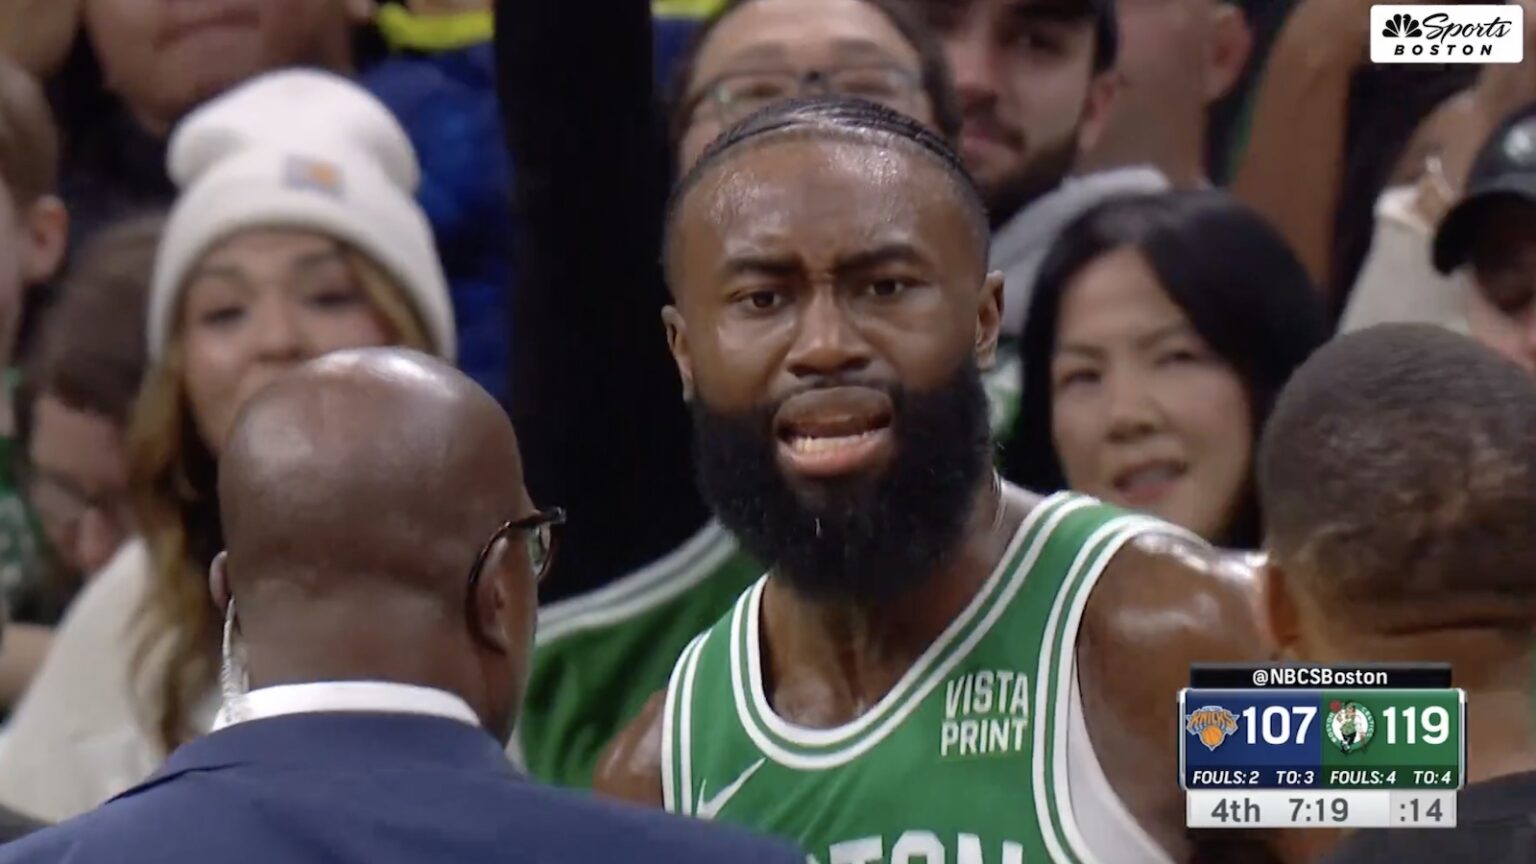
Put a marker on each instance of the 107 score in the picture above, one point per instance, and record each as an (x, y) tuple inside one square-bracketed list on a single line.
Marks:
[(1432, 725)]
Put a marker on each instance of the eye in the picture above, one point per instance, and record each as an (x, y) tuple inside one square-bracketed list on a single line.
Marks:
[(1073, 378), (761, 300), (221, 316), (1179, 355), (887, 288), (339, 297)]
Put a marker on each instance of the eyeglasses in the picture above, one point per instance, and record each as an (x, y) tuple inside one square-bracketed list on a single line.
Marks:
[(59, 503), (538, 530), (735, 95)]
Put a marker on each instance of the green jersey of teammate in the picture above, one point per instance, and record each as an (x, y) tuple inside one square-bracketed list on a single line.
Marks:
[(599, 657), (965, 760)]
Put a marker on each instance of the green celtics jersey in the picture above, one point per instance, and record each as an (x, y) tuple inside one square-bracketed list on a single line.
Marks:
[(599, 657), (964, 761)]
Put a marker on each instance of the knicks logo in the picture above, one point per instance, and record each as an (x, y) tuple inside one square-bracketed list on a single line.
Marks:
[(1211, 725)]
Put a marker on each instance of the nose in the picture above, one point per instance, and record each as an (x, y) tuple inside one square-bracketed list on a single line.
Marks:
[(95, 540), (973, 64), (1132, 413), (826, 343), (277, 334)]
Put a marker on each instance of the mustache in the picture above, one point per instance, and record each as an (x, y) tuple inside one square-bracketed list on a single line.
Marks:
[(982, 119)]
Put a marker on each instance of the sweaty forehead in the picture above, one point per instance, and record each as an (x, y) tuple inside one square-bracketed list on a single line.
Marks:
[(818, 199)]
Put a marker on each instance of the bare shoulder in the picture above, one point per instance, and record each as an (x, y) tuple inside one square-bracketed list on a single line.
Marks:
[(1171, 592), (630, 767), (1163, 602)]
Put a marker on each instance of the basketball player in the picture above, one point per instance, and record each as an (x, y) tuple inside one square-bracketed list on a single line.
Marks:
[(938, 665), (1398, 478)]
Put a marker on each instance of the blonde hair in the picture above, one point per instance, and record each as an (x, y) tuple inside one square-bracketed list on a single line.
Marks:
[(173, 482)]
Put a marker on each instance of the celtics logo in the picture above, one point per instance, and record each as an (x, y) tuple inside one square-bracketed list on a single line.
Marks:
[(1349, 726)]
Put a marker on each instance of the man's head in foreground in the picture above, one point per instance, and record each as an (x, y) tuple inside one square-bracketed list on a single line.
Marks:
[(827, 259), (1398, 483), (366, 498)]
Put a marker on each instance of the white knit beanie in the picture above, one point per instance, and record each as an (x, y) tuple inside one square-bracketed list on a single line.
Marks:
[(299, 149)]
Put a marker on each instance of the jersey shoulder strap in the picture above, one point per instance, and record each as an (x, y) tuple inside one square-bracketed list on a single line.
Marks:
[(683, 699)]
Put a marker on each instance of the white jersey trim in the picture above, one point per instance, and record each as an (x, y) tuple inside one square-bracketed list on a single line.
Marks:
[(1131, 838), (908, 694), (681, 683), (646, 588)]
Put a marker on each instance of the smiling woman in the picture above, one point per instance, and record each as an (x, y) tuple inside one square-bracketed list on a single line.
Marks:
[(1161, 330)]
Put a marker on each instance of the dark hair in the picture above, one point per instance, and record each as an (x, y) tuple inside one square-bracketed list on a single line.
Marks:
[(937, 83), (1399, 473), (92, 356), (831, 117), (1241, 287)]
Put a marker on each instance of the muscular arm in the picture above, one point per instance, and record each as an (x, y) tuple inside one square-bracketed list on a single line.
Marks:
[(630, 769), (595, 396), (1161, 605)]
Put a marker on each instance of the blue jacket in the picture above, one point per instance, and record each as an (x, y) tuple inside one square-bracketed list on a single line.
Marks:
[(369, 789), (447, 103)]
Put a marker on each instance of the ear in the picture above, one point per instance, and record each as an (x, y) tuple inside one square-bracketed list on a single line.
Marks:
[(1102, 90), (218, 581), (1280, 613), (492, 602), (677, 343), (46, 226), (1229, 44), (989, 321)]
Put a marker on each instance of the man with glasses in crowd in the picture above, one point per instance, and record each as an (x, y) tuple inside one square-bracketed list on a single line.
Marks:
[(379, 598)]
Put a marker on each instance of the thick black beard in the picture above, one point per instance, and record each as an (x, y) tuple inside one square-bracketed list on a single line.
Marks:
[(863, 539), (1035, 179)]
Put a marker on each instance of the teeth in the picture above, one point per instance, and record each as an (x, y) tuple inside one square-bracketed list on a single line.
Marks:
[(1149, 475), (812, 445)]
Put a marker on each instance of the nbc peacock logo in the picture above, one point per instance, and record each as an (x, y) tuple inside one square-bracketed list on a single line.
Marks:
[(1402, 26), (1475, 31)]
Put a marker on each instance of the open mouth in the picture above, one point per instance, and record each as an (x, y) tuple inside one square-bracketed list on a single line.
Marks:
[(834, 431), (1147, 482)]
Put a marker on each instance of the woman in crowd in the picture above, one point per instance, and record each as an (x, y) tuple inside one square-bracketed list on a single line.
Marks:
[(1160, 332), (295, 234)]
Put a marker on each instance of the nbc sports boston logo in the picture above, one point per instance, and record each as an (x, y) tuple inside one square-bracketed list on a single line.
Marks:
[(1468, 33)]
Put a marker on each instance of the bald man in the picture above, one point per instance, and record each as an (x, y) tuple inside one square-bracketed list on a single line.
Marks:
[(379, 595)]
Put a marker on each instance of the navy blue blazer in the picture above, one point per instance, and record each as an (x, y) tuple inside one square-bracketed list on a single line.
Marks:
[(370, 789)]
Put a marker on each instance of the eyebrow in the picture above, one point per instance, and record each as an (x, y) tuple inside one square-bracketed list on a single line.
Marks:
[(854, 47), (886, 253), (765, 264), (1177, 328), (304, 263), (760, 264)]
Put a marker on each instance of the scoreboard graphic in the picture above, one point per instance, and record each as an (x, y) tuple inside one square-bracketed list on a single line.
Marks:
[(1290, 746)]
